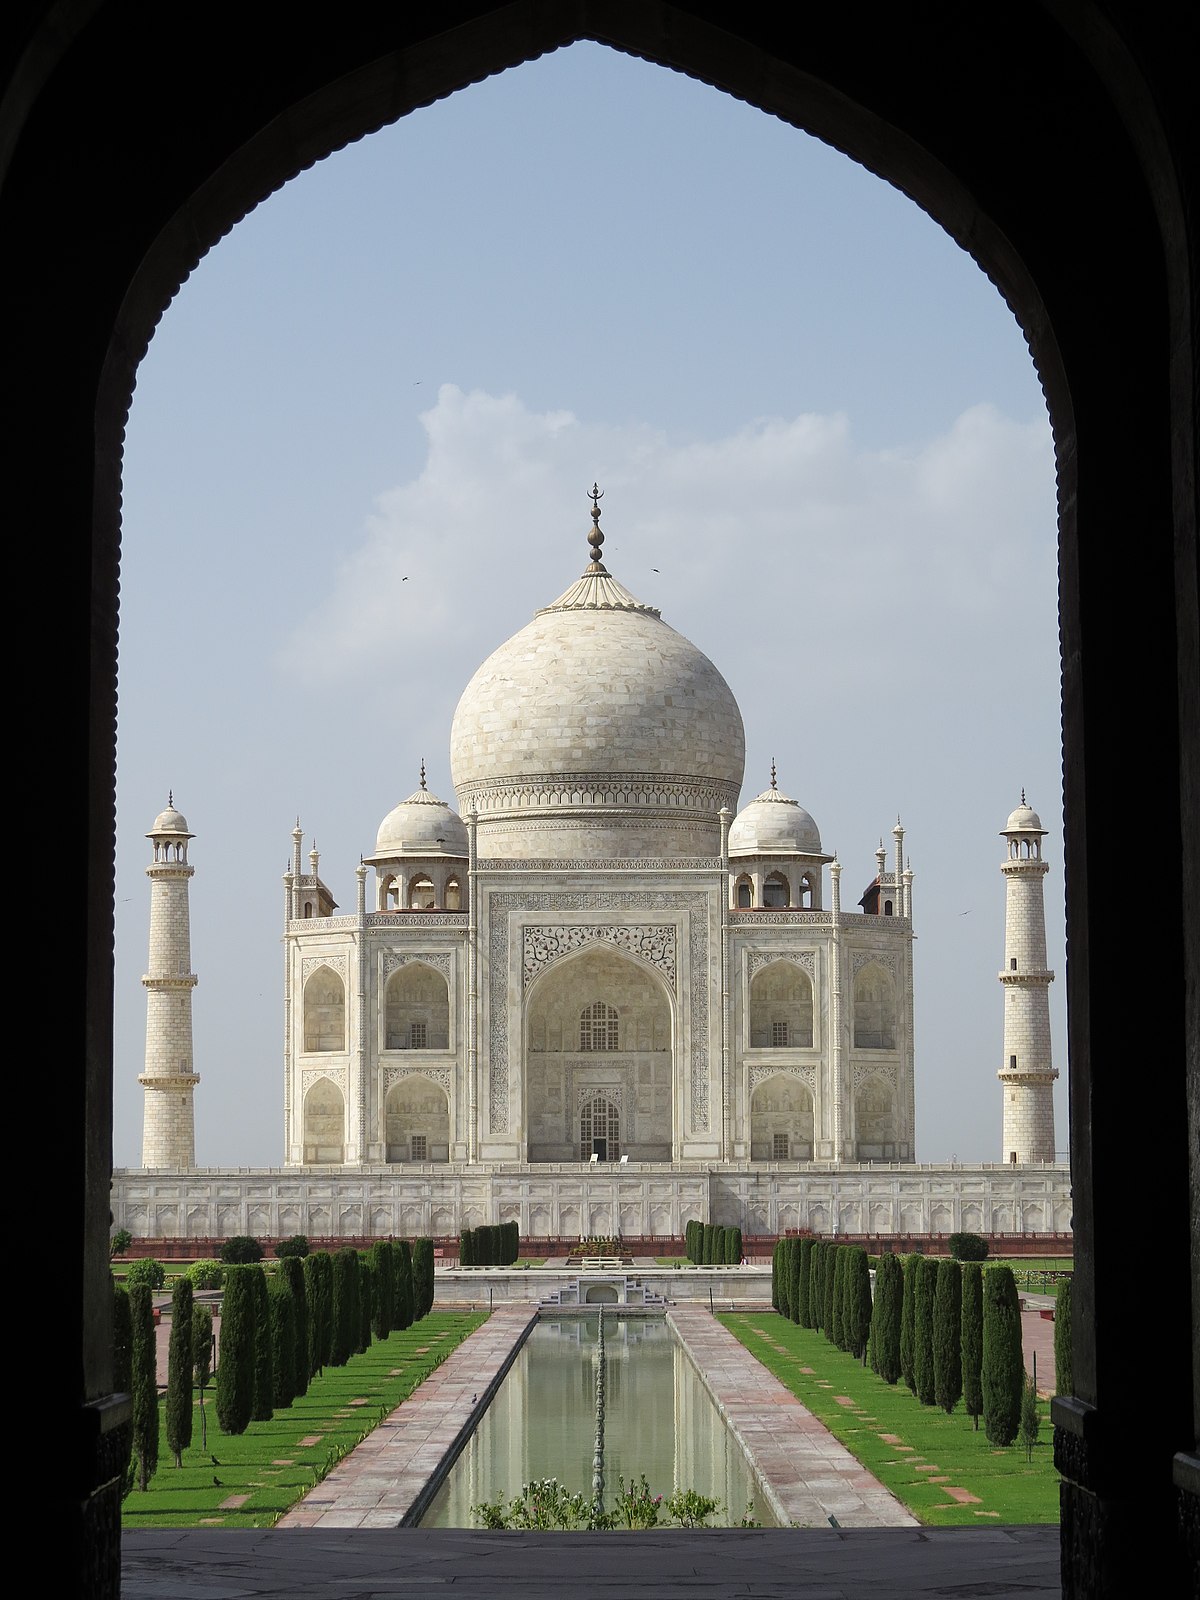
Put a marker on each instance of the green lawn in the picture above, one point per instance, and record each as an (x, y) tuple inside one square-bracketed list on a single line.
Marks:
[(932, 1462), (247, 1480)]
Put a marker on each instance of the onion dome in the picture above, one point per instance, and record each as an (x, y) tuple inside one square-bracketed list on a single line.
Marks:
[(170, 821), (597, 730), (773, 824), (422, 825), (1023, 820)]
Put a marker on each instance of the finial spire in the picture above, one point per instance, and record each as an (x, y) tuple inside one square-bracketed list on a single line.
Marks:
[(596, 536), (774, 785), (1023, 800), (171, 798), (422, 772)]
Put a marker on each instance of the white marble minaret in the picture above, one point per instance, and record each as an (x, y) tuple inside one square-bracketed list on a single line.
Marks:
[(1027, 1076), (168, 1125)]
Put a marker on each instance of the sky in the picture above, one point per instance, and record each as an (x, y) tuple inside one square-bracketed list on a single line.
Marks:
[(359, 456)]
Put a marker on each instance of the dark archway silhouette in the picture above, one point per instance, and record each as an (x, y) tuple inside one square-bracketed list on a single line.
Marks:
[(1055, 140)]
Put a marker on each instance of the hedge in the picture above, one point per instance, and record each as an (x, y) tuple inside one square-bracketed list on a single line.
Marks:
[(1003, 1368)]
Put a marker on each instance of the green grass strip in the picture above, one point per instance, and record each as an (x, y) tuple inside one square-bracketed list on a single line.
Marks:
[(935, 1463), (248, 1480)]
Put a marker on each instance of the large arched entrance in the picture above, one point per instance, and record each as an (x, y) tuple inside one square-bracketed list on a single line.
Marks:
[(1037, 145)]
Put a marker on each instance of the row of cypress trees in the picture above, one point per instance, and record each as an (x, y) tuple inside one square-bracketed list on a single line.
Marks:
[(949, 1329), (708, 1244), (278, 1331), (493, 1244)]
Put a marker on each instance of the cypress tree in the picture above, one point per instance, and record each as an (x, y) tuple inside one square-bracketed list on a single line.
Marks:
[(856, 1314), (796, 1257), (123, 1363), (885, 1317), (827, 1271), (383, 1305), (366, 1304), (179, 1371), (907, 1305), (1003, 1370), (263, 1403), (143, 1346), (466, 1248), (404, 1283), (514, 1243), (422, 1273), (947, 1335), (1064, 1361), (925, 1284), (311, 1268), (803, 1287), (972, 1339), (1031, 1420), (775, 1276), (816, 1279), (344, 1307), (282, 1318), (837, 1331), (202, 1351), (235, 1363), (291, 1269)]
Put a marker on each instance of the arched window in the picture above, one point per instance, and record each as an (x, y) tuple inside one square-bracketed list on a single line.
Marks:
[(324, 1123), (324, 1011), (776, 894), (598, 1027), (421, 896), (417, 1009), (453, 895), (874, 1010), (745, 894), (417, 1121), (781, 1008), (599, 1130)]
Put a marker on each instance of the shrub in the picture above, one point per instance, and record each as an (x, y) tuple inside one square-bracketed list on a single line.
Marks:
[(816, 1279), (297, 1245), (206, 1274), (1003, 1370), (972, 1339), (202, 1349), (968, 1247), (947, 1335), (828, 1263), (804, 1285), (885, 1318), (466, 1247), (291, 1272), (366, 1304), (241, 1250), (264, 1377), (908, 1300), (344, 1308), (837, 1330), (282, 1313), (383, 1302), (123, 1358), (795, 1259), (925, 1282), (144, 1382), (1064, 1361), (119, 1243), (148, 1271), (235, 1363), (422, 1278), (1030, 1418), (179, 1371), (856, 1311), (404, 1283)]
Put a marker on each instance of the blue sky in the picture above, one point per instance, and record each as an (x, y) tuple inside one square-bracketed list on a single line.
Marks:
[(809, 411)]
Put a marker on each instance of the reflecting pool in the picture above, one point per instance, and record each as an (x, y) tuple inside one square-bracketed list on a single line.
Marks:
[(659, 1420)]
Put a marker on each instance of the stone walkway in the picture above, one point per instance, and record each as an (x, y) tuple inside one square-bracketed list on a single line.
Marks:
[(810, 1479), (384, 1480)]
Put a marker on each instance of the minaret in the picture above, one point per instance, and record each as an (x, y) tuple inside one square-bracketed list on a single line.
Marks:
[(168, 1126), (1027, 1075)]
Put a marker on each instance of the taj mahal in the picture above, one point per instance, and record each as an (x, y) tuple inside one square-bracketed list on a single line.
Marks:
[(594, 996)]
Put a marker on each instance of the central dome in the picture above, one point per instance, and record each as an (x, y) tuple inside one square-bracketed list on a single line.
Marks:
[(597, 731)]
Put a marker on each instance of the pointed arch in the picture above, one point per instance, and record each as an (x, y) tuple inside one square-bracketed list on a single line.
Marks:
[(874, 1008), (781, 1007), (416, 1009), (416, 1116), (324, 1120), (324, 1011), (782, 1120)]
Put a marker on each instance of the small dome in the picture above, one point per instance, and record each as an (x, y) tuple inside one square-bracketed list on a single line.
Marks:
[(1024, 819), (422, 825), (773, 824), (170, 821)]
